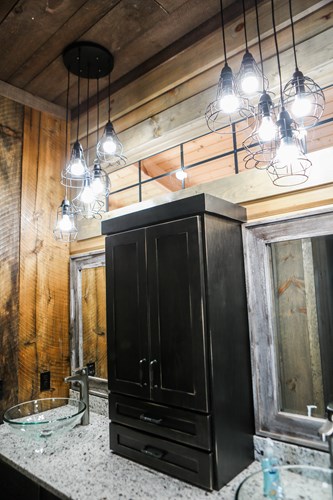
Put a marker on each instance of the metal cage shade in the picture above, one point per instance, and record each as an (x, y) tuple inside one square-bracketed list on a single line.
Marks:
[(304, 99), (218, 117), (290, 166), (250, 79), (65, 228), (74, 173), (109, 149)]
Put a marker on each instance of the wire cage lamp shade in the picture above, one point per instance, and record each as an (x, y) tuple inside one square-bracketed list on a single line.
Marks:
[(303, 97), (65, 227)]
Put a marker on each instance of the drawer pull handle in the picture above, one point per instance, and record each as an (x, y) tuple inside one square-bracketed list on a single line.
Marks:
[(151, 420), (153, 452)]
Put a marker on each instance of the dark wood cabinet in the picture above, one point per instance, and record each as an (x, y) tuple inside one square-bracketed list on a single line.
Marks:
[(178, 348), (16, 486)]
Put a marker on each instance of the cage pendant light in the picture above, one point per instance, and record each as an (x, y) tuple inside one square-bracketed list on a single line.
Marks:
[(304, 99), (290, 165), (109, 149), (65, 227), (75, 171), (229, 107), (260, 145), (250, 77), (100, 181)]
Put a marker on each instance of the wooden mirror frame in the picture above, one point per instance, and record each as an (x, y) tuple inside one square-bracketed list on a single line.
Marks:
[(269, 420), (97, 386)]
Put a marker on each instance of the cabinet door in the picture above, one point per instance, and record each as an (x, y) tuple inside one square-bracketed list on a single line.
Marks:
[(177, 324), (126, 287)]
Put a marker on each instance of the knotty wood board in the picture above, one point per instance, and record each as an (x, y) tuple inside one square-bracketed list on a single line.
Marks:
[(44, 273), (11, 129)]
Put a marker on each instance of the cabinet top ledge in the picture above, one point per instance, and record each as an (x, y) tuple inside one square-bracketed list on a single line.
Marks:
[(185, 207)]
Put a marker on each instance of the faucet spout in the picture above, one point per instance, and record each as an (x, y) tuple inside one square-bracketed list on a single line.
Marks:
[(81, 376), (326, 431)]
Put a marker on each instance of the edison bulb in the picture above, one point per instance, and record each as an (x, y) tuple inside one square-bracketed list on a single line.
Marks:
[(109, 146), (97, 186), (267, 129), (87, 195), (65, 223), (301, 106), (77, 167), (288, 152), (250, 84), (229, 103)]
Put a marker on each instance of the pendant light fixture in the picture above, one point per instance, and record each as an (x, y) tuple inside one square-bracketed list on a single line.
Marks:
[(289, 166), (229, 107), (73, 174), (304, 98), (260, 144), (250, 78), (109, 148), (65, 228)]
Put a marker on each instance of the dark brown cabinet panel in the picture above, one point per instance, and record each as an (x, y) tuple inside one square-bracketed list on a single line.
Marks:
[(165, 362), (178, 343)]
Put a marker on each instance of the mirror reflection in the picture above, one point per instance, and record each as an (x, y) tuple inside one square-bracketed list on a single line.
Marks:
[(88, 318), (302, 276), (94, 320)]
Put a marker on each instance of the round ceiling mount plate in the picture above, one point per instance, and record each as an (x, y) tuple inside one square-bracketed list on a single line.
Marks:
[(88, 59)]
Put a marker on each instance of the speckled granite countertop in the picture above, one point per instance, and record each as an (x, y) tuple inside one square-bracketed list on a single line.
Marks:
[(82, 466)]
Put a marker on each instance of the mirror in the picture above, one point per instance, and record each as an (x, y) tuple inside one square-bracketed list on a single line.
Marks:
[(88, 318), (289, 273), (302, 281)]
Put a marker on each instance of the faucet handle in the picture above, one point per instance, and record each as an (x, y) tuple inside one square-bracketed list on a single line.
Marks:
[(310, 408), (329, 410)]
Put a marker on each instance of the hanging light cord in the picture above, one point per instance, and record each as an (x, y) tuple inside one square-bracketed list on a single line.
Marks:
[(259, 43), (244, 22), (223, 34), (97, 83), (88, 116), (109, 96), (78, 98), (277, 54), (293, 33), (67, 118)]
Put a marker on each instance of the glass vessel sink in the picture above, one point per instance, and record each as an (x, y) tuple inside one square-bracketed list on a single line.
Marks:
[(44, 420), (294, 482)]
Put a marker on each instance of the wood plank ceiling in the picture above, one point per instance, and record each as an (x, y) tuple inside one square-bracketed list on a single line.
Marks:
[(34, 33)]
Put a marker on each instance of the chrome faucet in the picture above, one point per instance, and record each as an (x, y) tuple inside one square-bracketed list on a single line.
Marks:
[(81, 376), (326, 431)]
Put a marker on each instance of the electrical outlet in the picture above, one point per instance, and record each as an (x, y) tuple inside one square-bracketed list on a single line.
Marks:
[(1, 389), (91, 369), (45, 381)]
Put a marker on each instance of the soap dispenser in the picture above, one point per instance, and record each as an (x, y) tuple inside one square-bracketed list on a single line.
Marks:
[(271, 478)]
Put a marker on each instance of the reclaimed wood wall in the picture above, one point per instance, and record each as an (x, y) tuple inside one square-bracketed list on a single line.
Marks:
[(44, 274), (11, 120), (34, 267)]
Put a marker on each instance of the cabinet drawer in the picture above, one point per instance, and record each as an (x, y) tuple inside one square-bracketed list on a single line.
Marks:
[(180, 461), (179, 425)]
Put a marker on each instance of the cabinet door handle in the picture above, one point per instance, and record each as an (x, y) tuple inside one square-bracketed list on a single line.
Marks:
[(151, 373), (142, 364), (153, 452), (151, 420)]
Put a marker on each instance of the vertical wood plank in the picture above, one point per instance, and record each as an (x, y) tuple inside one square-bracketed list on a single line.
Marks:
[(44, 263), (94, 319), (11, 128)]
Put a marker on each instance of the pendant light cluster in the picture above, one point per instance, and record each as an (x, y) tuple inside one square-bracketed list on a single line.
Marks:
[(277, 142), (87, 186)]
